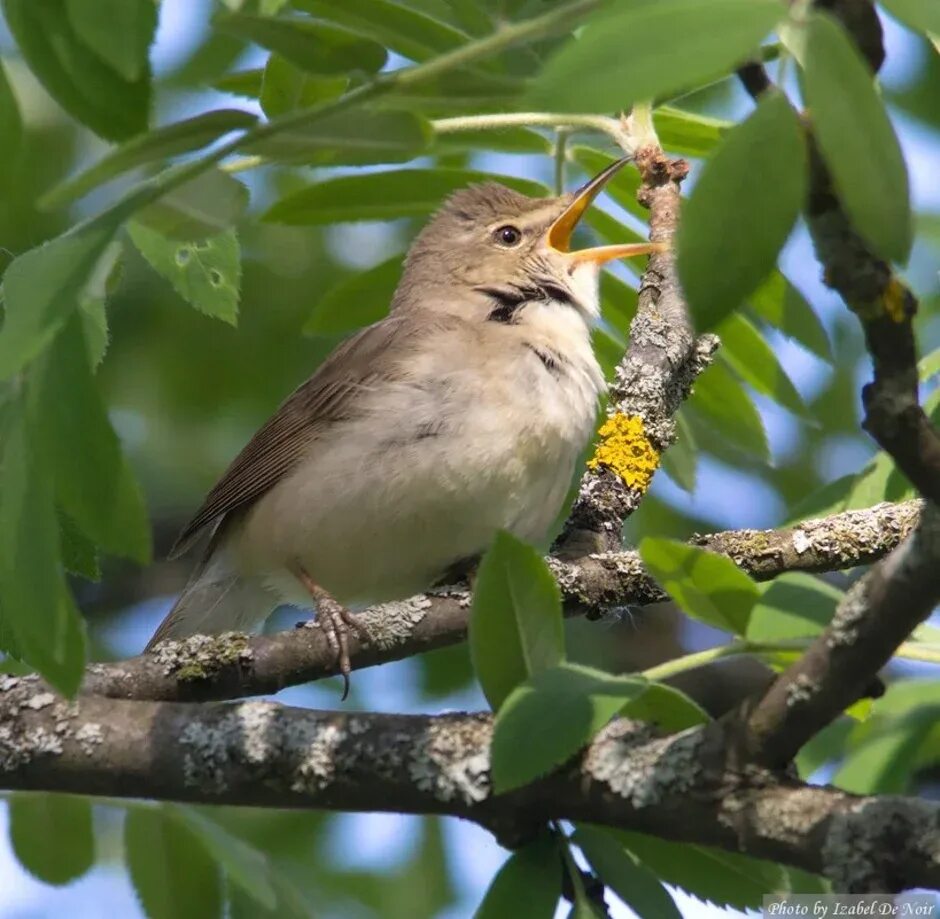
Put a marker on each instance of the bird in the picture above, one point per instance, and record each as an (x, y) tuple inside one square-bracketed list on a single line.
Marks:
[(461, 413)]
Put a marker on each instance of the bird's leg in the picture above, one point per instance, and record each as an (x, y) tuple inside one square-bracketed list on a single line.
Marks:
[(335, 620)]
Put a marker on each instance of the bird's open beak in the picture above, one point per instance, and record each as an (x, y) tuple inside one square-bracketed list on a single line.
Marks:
[(559, 233)]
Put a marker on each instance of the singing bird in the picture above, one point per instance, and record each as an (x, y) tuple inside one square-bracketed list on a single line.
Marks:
[(461, 413)]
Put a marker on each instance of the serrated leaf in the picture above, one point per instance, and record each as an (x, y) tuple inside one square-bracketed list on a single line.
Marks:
[(119, 32), (159, 144), (723, 878), (665, 706), (317, 47), (383, 195), (721, 403), (74, 76), (286, 88), (243, 864), (644, 49), (93, 301), (516, 627), (778, 302), (625, 874), (528, 884), (746, 351), (707, 586), (52, 835), (735, 218), (349, 138), (93, 482), (11, 124), (793, 605), (173, 874), (40, 623), (357, 301), (920, 15), (544, 721), (409, 32), (857, 140), (688, 133), (42, 288), (206, 274), (203, 206), (680, 460)]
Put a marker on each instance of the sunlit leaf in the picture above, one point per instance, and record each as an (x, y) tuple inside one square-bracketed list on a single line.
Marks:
[(161, 143), (665, 706), (793, 605), (516, 628), (11, 124), (206, 273), (707, 586), (285, 87), (857, 140), (688, 133), (735, 222)]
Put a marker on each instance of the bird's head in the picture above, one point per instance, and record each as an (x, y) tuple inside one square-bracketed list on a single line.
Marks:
[(493, 247)]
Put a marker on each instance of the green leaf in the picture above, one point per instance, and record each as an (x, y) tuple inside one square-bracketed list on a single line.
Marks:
[(316, 47), (735, 218), (203, 206), (42, 288), (857, 140), (794, 605), (383, 195), (516, 627), (688, 133), (242, 863), (719, 877), (920, 15), (505, 140), (79, 553), (52, 835), (680, 460), (409, 32), (779, 303), (93, 482), (11, 124), (665, 706), (721, 403), (93, 301), (622, 187), (40, 623), (746, 351), (644, 49), (173, 874), (159, 144), (119, 32), (527, 886), (206, 274), (349, 138), (286, 88), (550, 717), (246, 83), (625, 874), (75, 76), (707, 586), (357, 300)]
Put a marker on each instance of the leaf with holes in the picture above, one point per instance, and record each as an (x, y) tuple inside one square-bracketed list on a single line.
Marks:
[(206, 273)]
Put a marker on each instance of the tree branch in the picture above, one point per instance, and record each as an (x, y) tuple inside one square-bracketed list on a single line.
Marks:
[(264, 754), (234, 665)]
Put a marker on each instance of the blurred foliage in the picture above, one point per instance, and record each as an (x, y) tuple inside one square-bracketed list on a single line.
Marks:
[(108, 376)]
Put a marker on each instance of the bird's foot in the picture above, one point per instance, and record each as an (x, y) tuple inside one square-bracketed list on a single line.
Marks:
[(336, 622)]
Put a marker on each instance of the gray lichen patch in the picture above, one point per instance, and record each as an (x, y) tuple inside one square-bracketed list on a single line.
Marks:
[(801, 690), (202, 656), (452, 761), (644, 769), (870, 846), (31, 724), (316, 747), (392, 624)]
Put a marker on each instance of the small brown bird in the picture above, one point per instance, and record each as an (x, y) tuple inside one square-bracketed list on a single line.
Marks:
[(461, 413)]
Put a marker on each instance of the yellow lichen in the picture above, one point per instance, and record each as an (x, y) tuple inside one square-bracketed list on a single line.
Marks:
[(895, 300), (625, 449)]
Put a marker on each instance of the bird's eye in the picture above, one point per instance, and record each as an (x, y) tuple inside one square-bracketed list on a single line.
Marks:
[(508, 235)]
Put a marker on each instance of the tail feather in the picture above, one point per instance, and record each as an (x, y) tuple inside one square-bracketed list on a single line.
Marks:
[(215, 600)]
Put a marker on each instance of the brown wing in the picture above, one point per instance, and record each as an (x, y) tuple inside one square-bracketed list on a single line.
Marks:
[(284, 439)]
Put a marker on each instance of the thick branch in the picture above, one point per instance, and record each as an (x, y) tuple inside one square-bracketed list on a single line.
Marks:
[(654, 377), (234, 665), (264, 754)]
